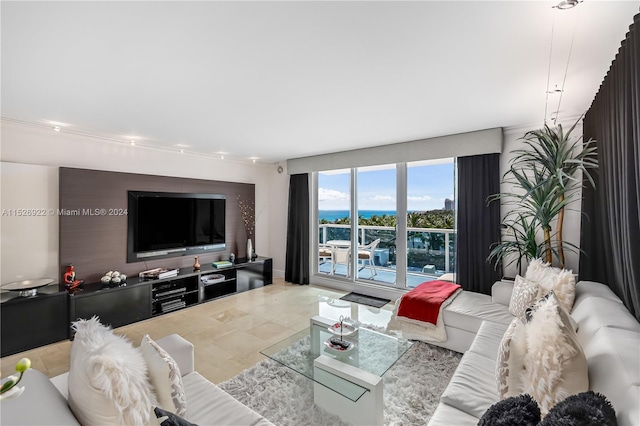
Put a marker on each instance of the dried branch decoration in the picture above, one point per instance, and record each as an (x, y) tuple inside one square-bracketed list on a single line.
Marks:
[(247, 209)]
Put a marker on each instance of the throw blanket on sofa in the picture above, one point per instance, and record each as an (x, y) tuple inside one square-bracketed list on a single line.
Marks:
[(423, 302), (418, 313)]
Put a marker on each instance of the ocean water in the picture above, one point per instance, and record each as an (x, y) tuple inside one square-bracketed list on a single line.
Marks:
[(331, 215)]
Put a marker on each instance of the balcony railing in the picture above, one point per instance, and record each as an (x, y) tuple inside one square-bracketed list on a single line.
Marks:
[(430, 251)]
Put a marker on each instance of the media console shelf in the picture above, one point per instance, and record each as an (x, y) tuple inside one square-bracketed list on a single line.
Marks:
[(142, 299)]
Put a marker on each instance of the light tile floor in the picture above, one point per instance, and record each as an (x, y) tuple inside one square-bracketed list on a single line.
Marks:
[(227, 333)]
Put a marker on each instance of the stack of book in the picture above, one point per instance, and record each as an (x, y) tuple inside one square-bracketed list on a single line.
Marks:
[(158, 273), (222, 264)]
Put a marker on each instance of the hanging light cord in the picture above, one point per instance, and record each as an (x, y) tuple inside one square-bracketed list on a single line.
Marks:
[(546, 100), (573, 36)]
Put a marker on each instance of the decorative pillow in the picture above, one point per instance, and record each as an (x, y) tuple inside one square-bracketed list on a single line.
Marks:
[(107, 378), (165, 377), (510, 361), (166, 418), (521, 410), (525, 293), (583, 409), (561, 281), (554, 365)]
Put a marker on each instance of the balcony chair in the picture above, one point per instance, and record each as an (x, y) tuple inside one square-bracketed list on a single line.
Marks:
[(366, 253), (325, 253), (341, 255)]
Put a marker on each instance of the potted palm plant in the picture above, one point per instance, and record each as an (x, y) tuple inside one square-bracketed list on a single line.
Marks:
[(545, 178)]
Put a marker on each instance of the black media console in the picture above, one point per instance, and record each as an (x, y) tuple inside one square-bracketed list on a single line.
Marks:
[(118, 306)]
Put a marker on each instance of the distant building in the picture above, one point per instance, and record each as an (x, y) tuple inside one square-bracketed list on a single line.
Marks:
[(448, 204)]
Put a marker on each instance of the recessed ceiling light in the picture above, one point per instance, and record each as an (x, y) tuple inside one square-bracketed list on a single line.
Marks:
[(222, 157), (567, 4), (133, 143), (181, 151), (56, 128)]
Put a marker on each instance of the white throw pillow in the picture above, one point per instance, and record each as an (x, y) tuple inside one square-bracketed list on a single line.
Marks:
[(108, 381), (554, 365), (525, 293), (561, 281), (165, 377), (510, 361)]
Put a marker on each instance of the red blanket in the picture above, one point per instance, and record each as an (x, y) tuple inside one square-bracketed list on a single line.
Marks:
[(423, 302)]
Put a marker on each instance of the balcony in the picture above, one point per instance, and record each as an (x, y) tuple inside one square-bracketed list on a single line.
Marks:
[(430, 253)]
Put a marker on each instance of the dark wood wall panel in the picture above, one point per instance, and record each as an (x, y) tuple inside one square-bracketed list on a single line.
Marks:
[(96, 244)]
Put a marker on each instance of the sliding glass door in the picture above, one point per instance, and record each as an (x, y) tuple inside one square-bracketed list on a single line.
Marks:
[(376, 223), (334, 220), (390, 224), (430, 220)]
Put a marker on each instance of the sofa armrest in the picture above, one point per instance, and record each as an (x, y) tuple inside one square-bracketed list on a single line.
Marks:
[(501, 292), (181, 350)]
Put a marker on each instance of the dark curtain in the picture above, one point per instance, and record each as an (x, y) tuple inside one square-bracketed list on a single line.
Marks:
[(610, 235), (478, 222), (297, 257)]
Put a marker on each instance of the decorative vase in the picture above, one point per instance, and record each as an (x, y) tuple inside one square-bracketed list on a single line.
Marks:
[(249, 249), (196, 265)]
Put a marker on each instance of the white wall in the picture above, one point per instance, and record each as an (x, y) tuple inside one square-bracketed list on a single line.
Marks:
[(29, 171), (29, 243), (573, 216)]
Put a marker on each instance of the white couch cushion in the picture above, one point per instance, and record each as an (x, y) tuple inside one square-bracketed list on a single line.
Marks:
[(614, 366), (587, 289), (593, 313), (628, 409), (472, 388), (210, 405), (165, 377), (488, 339), (108, 381), (446, 415), (469, 309)]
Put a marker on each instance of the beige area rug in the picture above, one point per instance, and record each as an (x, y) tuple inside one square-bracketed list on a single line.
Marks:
[(412, 389)]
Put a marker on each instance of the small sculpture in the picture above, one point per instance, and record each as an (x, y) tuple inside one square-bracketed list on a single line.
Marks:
[(232, 258), (70, 281), (196, 264), (113, 279)]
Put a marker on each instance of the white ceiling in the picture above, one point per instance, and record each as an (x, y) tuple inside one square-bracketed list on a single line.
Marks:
[(279, 80)]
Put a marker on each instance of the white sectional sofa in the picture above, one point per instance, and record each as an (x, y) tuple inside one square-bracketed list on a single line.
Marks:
[(608, 333), (44, 401)]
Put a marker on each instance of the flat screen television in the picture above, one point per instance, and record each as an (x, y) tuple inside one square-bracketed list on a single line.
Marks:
[(170, 224)]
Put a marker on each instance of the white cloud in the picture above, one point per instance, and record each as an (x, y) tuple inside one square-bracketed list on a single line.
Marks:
[(383, 198), (421, 198), (331, 195)]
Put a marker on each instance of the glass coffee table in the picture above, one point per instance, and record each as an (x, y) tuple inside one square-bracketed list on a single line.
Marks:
[(347, 383)]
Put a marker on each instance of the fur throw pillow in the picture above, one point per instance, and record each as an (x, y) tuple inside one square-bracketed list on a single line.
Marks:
[(584, 409), (554, 365), (521, 410), (108, 381), (560, 281)]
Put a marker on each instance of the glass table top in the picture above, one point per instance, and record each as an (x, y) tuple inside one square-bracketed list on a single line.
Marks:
[(373, 352)]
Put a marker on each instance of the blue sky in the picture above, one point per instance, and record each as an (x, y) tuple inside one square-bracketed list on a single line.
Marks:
[(427, 188)]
